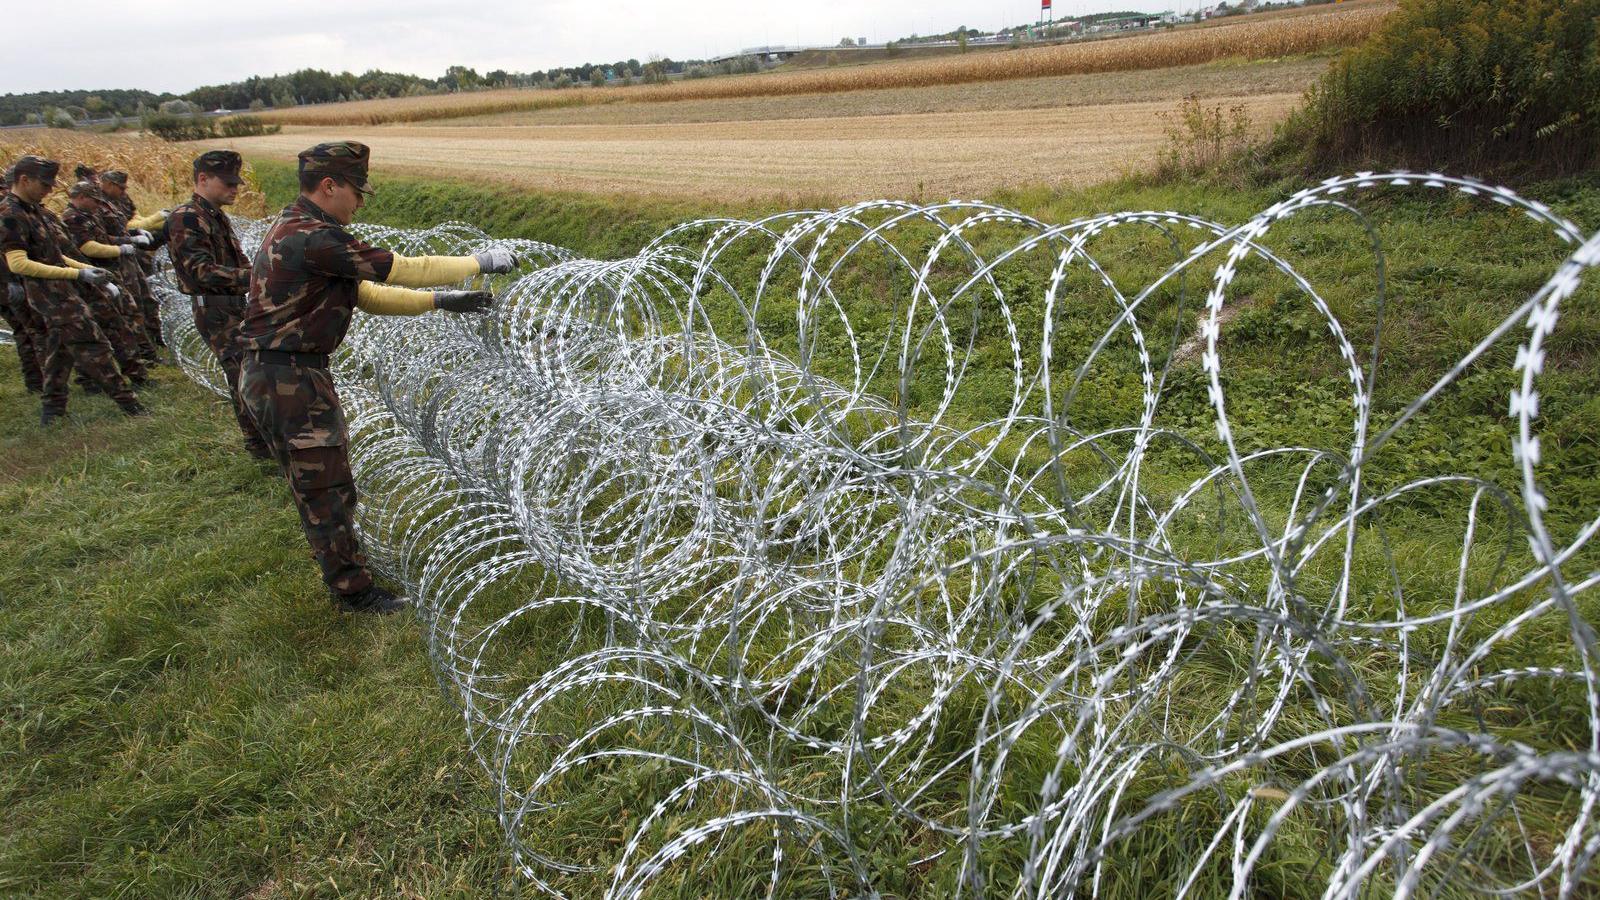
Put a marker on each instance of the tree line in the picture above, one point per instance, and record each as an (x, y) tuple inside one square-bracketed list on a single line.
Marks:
[(308, 86)]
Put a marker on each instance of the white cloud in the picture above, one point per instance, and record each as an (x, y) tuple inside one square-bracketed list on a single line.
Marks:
[(177, 45)]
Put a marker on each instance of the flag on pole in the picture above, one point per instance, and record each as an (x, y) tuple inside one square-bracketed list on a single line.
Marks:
[(1046, 7)]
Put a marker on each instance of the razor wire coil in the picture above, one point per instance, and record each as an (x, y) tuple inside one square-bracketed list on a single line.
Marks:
[(732, 511)]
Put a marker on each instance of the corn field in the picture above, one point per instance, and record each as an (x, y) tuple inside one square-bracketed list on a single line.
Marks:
[(160, 174)]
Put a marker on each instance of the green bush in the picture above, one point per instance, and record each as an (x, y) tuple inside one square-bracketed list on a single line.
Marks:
[(245, 126), (1483, 86), (174, 127)]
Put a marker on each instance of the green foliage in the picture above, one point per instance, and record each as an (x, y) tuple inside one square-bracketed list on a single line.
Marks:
[(174, 127), (245, 126), (1201, 138), (15, 109), (1483, 86)]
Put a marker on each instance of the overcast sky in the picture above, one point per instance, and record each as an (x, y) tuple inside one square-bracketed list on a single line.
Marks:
[(177, 45)]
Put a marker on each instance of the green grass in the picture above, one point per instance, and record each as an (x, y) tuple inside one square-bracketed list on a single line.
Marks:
[(186, 716)]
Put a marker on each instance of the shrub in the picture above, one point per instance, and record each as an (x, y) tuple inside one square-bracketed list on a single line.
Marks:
[(1200, 138), (1488, 86), (173, 127), (245, 126)]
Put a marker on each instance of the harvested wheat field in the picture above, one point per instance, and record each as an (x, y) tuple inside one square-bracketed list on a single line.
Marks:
[(931, 155), (1262, 36)]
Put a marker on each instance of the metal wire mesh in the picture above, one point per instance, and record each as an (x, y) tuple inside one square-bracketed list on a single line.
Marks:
[(801, 534)]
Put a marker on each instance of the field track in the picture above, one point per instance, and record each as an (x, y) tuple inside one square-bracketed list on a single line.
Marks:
[(932, 155)]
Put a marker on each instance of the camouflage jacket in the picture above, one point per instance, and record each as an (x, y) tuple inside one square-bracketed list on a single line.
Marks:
[(32, 228), (304, 279), (83, 227), (206, 257)]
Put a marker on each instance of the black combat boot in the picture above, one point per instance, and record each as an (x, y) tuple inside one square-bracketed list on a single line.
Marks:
[(134, 408), (48, 417), (374, 600)]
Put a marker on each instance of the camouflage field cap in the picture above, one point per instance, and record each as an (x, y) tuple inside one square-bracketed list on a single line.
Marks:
[(36, 167), (344, 160), (119, 179), (84, 172), (83, 189), (224, 164)]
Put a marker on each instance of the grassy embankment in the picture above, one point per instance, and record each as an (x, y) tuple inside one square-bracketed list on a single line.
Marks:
[(185, 716)]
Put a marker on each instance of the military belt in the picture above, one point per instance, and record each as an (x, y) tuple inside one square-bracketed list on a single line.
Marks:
[(217, 299), (285, 358)]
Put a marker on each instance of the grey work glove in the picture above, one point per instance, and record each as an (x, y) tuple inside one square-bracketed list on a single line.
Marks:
[(94, 277), (127, 249), (141, 239), (16, 293), (463, 301), (114, 291), (495, 261)]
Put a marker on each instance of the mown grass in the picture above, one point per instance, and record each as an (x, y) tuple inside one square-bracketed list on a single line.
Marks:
[(185, 716)]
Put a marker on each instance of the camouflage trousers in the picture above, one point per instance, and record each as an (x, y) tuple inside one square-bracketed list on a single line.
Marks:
[(72, 339), (217, 319), (135, 309), (120, 331), (136, 270), (297, 410), (27, 332)]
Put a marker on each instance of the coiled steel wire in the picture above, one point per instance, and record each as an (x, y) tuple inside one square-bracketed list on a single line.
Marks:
[(727, 526)]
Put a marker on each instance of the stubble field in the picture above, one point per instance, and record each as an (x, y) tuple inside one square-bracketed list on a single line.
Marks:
[(966, 140)]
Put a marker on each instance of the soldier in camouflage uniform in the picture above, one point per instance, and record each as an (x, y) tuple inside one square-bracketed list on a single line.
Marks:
[(307, 280), (113, 306), (27, 332), (124, 218), (210, 267), (30, 243)]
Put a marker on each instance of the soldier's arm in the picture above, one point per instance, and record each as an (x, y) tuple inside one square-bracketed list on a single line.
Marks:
[(148, 223), (14, 246), (20, 264), (97, 250), (429, 271), (387, 300), (190, 251), (335, 253)]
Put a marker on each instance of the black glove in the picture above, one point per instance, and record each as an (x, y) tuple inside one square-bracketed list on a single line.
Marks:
[(94, 277), (463, 301), (495, 261)]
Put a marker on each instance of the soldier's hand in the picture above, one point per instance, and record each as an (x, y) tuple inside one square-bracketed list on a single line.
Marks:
[(495, 261), (114, 291), (463, 301), (141, 239), (94, 277), (127, 249), (16, 293)]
